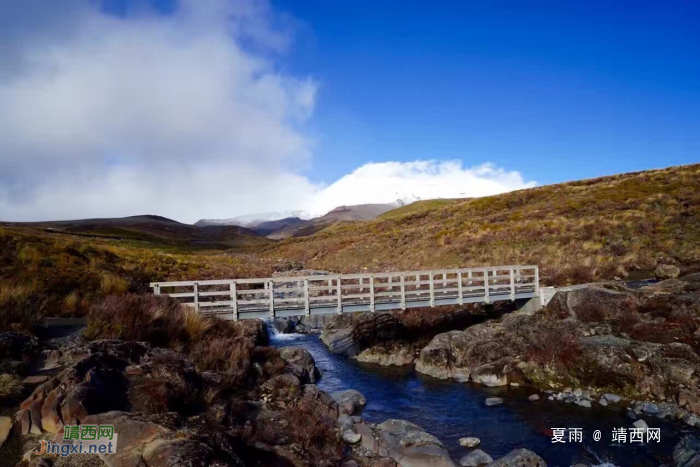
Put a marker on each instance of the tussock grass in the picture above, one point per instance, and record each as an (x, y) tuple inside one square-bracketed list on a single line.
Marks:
[(10, 386)]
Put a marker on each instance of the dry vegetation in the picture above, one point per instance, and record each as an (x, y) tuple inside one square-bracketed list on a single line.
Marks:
[(58, 274), (621, 225)]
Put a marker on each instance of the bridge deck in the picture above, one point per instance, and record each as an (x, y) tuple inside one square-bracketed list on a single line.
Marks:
[(275, 297)]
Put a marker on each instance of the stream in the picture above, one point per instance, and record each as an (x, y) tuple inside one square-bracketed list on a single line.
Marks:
[(451, 410)]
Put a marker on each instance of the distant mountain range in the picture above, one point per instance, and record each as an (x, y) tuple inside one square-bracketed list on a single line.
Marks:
[(242, 231), (281, 225)]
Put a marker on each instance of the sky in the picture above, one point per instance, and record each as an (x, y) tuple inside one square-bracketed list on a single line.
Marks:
[(213, 109)]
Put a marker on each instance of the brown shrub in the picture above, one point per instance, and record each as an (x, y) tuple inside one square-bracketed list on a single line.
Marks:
[(592, 313), (307, 426), (147, 318), (223, 354), (555, 347)]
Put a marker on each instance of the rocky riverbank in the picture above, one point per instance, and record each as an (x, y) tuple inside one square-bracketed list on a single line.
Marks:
[(638, 347)]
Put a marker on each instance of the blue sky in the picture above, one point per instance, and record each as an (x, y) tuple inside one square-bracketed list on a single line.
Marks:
[(556, 90), (212, 109)]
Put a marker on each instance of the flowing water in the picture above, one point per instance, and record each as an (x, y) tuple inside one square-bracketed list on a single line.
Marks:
[(451, 410)]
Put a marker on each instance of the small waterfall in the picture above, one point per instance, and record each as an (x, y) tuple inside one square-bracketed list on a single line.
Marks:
[(275, 335)]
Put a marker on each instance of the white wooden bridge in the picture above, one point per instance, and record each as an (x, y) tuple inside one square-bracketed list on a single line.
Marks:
[(276, 297)]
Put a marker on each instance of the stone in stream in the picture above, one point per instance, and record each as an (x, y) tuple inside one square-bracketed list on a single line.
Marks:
[(469, 442), (519, 458), (411, 446), (584, 403), (5, 427), (475, 458), (493, 401), (666, 271), (349, 402), (614, 398), (687, 452), (631, 414), (640, 424), (534, 397), (691, 419), (351, 437), (603, 402), (651, 409)]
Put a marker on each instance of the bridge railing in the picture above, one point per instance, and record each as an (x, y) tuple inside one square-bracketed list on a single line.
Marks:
[(323, 294)]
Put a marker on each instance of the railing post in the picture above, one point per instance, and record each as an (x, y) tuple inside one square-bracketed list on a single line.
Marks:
[(486, 286), (156, 289), (432, 290), (340, 296), (271, 290), (469, 276), (371, 293), (537, 280), (234, 300), (196, 296), (403, 292), (460, 299), (512, 283), (307, 308)]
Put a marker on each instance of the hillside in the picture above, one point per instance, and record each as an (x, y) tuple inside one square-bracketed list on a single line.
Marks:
[(154, 229), (621, 225), (358, 212)]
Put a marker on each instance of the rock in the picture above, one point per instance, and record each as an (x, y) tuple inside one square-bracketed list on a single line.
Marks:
[(691, 419), (351, 333), (368, 440), (583, 403), (603, 402), (25, 420), (349, 402), (687, 452), (344, 422), (50, 412), (351, 437), (312, 396), (534, 397), (475, 458), (390, 353), (34, 380), (577, 392), (282, 387), (469, 442), (300, 363), (35, 416), (384, 462), (519, 458), (350, 463), (640, 424), (631, 414), (666, 271), (176, 452), (5, 428), (493, 401), (614, 398), (410, 446)]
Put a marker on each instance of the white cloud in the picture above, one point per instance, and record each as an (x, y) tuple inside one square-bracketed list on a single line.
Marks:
[(184, 115), (386, 182)]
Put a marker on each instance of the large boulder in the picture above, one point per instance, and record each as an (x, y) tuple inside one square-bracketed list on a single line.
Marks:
[(410, 446), (350, 333), (392, 353), (350, 402), (300, 363), (519, 458), (666, 271)]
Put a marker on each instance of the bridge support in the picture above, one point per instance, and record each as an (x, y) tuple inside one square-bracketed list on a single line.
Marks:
[(528, 306)]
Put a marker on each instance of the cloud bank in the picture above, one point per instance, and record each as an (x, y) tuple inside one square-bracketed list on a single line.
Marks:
[(185, 115)]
